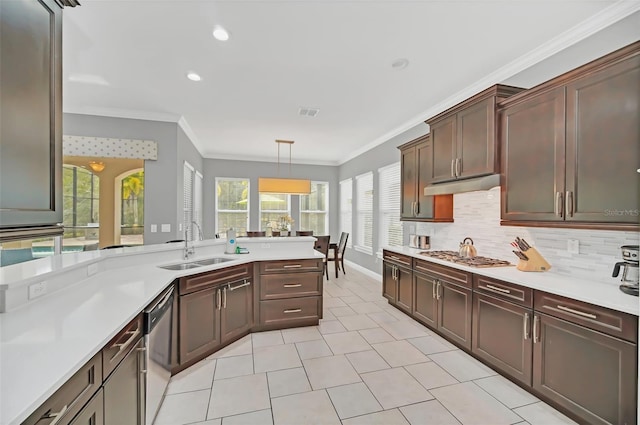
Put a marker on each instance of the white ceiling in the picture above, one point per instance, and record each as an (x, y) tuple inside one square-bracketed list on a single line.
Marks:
[(130, 58)]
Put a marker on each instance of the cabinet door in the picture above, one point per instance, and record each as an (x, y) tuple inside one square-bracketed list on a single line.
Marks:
[(476, 140), (405, 291), (236, 315), (454, 314), (603, 152), (123, 398), (533, 143), (408, 166), (502, 336), (424, 159), (589, 373), (443, 138), (425, 304), (389, 284), (31, 119), (92, 413), (199, 323)]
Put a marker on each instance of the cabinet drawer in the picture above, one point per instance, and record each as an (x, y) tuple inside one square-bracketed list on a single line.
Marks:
[(200, 281), (501, 289), (119, 346), (290, 309), (614, 323), (398, 259), (291, 266), (93, 412), (72, 396), (290, 285), (452, 275)]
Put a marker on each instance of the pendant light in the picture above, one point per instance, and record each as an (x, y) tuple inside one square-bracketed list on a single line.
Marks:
[(284, 185)]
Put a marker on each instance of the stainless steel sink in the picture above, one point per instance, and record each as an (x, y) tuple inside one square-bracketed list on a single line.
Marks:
[(180, 266), (210, 261), (194, 264)]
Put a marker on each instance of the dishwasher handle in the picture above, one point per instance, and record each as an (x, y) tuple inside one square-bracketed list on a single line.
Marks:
[(159, 309)]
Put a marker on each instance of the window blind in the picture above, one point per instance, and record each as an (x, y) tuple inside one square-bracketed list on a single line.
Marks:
[(390, 227), (346, 208), (364, 216), (232, 205), (314, 209), (187, 191)]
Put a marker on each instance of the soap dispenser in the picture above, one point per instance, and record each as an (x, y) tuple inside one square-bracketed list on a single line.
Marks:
[(231, 242)]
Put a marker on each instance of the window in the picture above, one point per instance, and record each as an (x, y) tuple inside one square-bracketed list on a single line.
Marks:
[(314, 209), (390, 227), (132, 209), (364, 213), (346, 208), (272, 207), (81, 189), (192, 190), (232, 205)]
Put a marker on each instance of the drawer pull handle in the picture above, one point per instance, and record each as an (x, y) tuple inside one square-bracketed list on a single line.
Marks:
[(579, 313), (292, 266), (433, 289), (242, 285), (495, 288), (224, 297), (218, 300), (57, 416), (292, 310), (525, 326), (121, 346), (393, 257), (292, 285)]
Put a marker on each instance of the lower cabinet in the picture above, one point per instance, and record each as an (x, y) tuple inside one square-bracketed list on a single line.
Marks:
[(236, 314), (93, 412), (425, 303), (389, 283), (124, 390), (454, 312), (397, 280), (502, 336)]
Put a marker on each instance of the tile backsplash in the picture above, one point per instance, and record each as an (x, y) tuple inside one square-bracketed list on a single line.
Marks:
[(477, 215)]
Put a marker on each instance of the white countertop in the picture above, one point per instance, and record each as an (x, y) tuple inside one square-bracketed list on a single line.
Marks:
[(44, 342), (605, 295)]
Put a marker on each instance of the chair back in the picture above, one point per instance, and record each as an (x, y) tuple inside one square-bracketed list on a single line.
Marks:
[(322, 245), (254, 234), (342, 245), (304, 233)]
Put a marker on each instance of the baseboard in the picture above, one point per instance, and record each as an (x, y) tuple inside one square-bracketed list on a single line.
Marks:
[(363, 270)]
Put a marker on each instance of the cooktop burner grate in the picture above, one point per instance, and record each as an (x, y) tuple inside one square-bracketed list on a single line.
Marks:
[(472, 262)]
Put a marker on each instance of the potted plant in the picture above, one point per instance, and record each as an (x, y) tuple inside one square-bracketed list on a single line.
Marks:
[(281, 226)]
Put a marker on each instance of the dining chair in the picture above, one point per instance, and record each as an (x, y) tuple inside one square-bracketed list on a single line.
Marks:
[(254, 234), (337, 254), (304, 233), (322, 245)]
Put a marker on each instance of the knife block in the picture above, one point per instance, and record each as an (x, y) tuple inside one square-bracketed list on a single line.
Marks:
[(535, 263)]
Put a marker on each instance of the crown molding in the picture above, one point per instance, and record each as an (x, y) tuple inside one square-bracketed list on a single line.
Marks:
[(124, 113), (274, 160)]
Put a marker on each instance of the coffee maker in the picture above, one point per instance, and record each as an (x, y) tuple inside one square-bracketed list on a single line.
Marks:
[(629, 269)]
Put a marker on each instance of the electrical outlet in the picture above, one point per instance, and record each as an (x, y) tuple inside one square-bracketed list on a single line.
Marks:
[(573, 246), (37, 289), (154, 228), (179, 227), (165, 228), (265, 245), (92, 269)]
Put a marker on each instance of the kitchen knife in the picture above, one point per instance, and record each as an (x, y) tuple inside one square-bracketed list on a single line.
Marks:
[(520, 255)]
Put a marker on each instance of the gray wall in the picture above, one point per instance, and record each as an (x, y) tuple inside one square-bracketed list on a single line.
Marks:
[(214, 168), (163, 178), (186, 151), (384, 154)]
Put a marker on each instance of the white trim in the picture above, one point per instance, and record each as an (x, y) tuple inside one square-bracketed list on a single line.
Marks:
[(363, 249), (363, 270), (262, 158), (573, 35), (123, 113)]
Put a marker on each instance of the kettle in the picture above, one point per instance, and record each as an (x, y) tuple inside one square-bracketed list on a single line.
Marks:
[(467, 250)]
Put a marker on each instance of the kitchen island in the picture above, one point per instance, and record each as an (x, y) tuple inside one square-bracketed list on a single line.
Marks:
[(91, 297)]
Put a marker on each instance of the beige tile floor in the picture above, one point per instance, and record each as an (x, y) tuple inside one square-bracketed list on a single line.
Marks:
[(366, 363)]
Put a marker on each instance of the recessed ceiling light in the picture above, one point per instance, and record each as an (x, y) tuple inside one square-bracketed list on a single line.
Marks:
[(193, 76), (220, 33), (400, 63)]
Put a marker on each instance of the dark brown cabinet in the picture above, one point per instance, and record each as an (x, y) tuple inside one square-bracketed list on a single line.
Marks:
[(464, 137), (92, 413), (397, 281), (31, 119), (425, 303), (570, 147), (218, 312), (454, 312), (124, 392), (501, 326), (415, 163)]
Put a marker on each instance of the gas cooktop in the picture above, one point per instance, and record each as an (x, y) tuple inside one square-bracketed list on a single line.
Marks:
[(472, 262)]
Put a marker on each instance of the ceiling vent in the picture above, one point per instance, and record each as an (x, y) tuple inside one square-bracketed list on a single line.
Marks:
[(308, 112)]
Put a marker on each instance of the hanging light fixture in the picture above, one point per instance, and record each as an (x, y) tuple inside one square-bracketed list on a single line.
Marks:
[(96, 166), (284, 185)]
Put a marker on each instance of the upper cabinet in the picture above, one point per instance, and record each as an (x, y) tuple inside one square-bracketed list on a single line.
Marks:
[(570, 148), (31, 119), (416, 160), (464, 137)]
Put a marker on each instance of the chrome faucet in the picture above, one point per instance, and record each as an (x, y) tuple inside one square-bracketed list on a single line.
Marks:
[(188, 250), (200, 235)]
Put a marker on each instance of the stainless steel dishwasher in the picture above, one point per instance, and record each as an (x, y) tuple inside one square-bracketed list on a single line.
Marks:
[(158, 325)]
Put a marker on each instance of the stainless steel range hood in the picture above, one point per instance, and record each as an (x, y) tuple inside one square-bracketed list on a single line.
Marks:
[(461, 186)]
